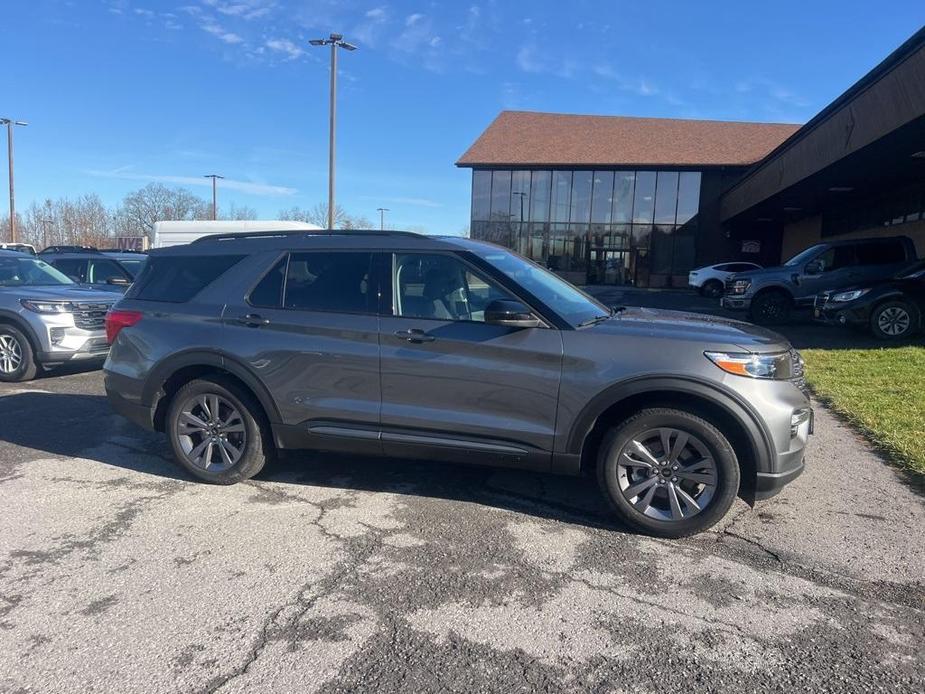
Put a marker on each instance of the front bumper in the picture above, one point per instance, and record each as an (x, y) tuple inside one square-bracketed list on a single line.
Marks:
[(76, 345), (735, 303)]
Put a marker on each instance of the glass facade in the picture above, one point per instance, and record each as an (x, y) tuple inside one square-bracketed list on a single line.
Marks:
[(599, 227)]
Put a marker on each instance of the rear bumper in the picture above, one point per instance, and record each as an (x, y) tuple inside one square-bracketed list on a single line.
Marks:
[(142, 415)]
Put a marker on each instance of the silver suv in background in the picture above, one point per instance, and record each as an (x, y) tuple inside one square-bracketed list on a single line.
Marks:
[(46, 318), (454, 350), (770, 294)]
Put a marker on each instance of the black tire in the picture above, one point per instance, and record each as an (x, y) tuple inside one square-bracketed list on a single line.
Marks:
[(257, 446), (712, 289), (15, 345), (894, 320), (725, 473), (771, 308)]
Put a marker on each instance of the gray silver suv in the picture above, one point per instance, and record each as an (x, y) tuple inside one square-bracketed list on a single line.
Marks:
[(46, 318), (453, 350)]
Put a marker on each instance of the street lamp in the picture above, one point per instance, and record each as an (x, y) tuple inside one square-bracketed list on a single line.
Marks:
[(45, 223), (9, 123), (382, 211), (214, 207), (335, 41)]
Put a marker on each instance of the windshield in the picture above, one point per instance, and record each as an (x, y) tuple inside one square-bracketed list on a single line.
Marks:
[(803, 256), (133, 265), (571, 303), (29, 272)]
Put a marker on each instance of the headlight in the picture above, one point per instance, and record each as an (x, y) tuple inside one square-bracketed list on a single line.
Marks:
[(740, 286), (772, 366), (40, 306), (841, 297)]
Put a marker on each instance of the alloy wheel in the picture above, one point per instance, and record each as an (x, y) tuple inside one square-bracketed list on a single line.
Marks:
[(10, 354), (894, 321), (667, 474), (211, 432)]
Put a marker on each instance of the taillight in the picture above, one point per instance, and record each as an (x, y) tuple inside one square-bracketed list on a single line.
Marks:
[(117, 319)]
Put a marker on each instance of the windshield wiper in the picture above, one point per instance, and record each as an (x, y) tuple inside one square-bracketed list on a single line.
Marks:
[(595, 319)]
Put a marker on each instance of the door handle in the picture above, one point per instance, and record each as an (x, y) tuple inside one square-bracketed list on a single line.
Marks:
[(253, 320), (415, 335)]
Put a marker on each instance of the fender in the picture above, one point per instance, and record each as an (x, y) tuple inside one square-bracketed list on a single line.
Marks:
[(154, 385), (728, 400), (23, 326)]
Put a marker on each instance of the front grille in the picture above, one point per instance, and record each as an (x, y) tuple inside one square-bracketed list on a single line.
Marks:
[(90, 316), (797, 376)]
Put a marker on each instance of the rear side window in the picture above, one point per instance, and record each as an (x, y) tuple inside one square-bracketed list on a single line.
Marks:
[(269, 291), (328, 281), (176, 279), (881, 253)]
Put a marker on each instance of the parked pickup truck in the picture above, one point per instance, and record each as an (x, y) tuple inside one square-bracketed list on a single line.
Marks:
[(769, 295)]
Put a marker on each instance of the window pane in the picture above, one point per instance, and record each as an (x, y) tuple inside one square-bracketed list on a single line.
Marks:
[(661, 250), (501, 195), (561, 194), (666, 197), (624, 185), (101, 271), (602, 197), (481, 195), (880, 253), (688, 196), (539, 196), (581, 197), (74, 268), (520, 195), (644, 197), (441, 287), (328, 281), (179, 278), (269, 291)]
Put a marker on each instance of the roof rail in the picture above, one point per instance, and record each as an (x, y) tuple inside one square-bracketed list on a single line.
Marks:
[(69, 249), (242, 235)]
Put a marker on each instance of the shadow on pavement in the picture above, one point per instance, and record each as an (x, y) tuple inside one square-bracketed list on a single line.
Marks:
[(84, 426)]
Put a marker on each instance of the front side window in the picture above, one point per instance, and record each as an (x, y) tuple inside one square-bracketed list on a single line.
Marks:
[(328, 281), (441, 287), (75, 268), (568, 301), (103, 270), (804, 255), (29, 272), (837, 258)]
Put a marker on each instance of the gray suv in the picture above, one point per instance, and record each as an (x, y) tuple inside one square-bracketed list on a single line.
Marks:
[(454, 350), (46, 318), (771, 293)]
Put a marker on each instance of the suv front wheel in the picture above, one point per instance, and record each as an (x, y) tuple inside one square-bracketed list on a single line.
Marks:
[(668, 473), (217, 431), (17, 361)]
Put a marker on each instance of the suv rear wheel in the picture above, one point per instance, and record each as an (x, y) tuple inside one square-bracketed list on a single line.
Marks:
[(668, 473), (771, 308), (217, 431), (17, 361)]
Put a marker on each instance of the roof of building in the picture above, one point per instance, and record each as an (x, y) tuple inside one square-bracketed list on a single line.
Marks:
[(526, 138)]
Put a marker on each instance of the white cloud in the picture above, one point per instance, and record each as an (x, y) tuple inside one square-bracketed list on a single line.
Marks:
[(291, 50), (246, 9), (413, 19), (369, 31), (377, 14), (248, 187), (220, 33)]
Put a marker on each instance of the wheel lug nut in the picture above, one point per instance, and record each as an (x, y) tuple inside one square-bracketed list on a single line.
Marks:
[(674, 479), (674, 467)]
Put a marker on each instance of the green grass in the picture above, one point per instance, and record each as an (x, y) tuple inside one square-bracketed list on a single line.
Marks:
[(881, 391)]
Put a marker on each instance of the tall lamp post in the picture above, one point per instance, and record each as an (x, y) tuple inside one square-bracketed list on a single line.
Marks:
[(382, 211), (45, 223), (335, 41), (214, 194), (9, 123)]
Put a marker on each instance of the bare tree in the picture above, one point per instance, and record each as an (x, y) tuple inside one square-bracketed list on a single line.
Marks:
[(239, 213), (319, 215), (156, 203)]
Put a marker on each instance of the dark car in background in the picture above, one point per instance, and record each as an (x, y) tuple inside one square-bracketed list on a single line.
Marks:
[(133, 261), (91, 267), (892, 309), (770, 295)]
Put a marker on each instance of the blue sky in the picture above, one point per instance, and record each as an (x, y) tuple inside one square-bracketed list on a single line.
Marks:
[(122, 92)]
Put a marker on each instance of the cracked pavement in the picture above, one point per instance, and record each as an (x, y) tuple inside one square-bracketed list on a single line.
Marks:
[(332, 573)]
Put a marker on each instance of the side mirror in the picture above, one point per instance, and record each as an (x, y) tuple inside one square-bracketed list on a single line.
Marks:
[(120, 281), (813, 267), (510, 313)]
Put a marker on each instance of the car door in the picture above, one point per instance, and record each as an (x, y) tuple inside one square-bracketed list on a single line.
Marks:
[(453, 386), (308, 330)]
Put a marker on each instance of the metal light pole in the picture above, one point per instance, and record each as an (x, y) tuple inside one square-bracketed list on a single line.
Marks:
[(214, 198), (335, 41), (45, 223), (9, 123), (382, 211)]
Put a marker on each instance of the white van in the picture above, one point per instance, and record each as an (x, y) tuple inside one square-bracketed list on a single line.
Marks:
[(177, 233)]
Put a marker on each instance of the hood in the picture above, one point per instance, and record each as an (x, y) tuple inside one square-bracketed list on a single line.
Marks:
[(64, 292), (767, 271), (695, 327)]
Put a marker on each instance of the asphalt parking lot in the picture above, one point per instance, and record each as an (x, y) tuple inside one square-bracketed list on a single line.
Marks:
[(119, 573)]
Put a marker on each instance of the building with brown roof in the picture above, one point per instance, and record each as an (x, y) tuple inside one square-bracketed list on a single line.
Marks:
[(611, 199)]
